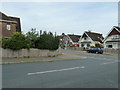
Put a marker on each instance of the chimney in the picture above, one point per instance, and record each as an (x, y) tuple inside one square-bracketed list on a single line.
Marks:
[(89, 31), (63, 33)]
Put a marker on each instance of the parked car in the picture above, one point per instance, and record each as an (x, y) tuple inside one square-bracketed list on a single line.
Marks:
[(95, 50)]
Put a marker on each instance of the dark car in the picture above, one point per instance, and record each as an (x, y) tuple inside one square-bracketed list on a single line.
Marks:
[(95, 50)]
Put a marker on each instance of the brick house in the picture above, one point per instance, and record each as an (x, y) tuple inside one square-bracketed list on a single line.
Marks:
[(9, 25), (112, 40), (90, 38)]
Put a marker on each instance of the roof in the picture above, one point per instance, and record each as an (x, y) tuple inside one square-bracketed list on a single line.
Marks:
[(5, 18), (74, 38), (95, 36), (18, 22), (117, 28), (60, 37)]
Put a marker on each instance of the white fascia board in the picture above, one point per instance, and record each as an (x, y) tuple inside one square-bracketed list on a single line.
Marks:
[(8, 21), (117, 29), (70, 39)]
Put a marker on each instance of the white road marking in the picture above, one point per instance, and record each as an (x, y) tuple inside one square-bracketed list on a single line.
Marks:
[(109, 62), (55, 70), (100, 58)]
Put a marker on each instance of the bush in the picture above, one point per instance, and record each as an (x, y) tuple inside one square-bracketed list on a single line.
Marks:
[(92, 46), (47, 41), (98, 45), (17, 41)]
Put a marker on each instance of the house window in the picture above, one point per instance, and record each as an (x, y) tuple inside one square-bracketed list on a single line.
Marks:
[(82, 45), (109, 46), (8, 27), (115, 36), (85, 38), (88, 45)]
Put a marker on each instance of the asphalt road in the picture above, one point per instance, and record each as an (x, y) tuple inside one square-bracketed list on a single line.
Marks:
[(94, 71)]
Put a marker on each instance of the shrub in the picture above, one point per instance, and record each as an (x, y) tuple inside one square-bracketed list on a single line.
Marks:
[(92, 46), (98, 45), (17, 41), (47, 41)]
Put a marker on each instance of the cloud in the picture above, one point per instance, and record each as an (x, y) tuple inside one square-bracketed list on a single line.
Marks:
[(68, 17)]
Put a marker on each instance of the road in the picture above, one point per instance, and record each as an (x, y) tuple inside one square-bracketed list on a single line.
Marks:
[(94, 71)]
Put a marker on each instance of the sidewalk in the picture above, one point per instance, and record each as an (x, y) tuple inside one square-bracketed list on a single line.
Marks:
[(40, 59)]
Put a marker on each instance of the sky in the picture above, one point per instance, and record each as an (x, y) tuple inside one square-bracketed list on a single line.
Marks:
[(64, 17)]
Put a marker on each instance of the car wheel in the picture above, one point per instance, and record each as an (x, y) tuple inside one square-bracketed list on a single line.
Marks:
[(101, 53), (97, 52)]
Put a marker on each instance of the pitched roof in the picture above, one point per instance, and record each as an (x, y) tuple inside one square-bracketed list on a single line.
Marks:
[(117, 27), (95, 36), (60, 37), (18, 22), (5, 18), (75, 38)]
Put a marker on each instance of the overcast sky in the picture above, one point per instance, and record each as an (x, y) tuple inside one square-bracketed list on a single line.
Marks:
[(64, 17)]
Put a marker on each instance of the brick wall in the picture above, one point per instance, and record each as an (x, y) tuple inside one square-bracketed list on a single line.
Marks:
[(4, 31)]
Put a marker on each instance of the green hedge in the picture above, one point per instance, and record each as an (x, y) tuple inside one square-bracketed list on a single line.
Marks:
[(47, 41), (19, 41)]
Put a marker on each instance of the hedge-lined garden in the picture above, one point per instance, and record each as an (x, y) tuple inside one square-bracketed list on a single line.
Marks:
[(31, 39)]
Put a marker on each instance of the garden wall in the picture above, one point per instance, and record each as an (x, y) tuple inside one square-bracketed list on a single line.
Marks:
[(114, 51), (7, 53)]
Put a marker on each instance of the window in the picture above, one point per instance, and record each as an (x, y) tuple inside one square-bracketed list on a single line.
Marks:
[(88, 45), (8, 26), (109, 46), (115, 36), (85, 38), (82, 45)]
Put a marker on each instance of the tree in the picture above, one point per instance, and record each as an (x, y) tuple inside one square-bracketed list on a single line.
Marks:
[(98, 45), (31, 37), (47, 41)]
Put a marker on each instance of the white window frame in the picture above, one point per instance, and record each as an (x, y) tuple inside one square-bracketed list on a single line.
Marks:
[(8, 27)]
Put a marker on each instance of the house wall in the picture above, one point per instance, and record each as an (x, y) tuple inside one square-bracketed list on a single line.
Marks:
[(115, 45), (112, 37), (4, 31), (87, 40)]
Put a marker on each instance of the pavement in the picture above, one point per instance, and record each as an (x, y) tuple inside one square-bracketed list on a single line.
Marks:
[(63, 56), (93, 71)]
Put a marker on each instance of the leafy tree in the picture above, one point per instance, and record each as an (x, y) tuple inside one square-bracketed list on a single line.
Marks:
[(31, 37), (98, 45), (47, 41)]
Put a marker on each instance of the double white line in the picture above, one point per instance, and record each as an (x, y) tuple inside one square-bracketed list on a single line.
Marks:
[(55, 70)]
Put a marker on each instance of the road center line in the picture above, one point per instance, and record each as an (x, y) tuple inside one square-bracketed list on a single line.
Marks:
[(109, 62), (55, 70), (101, 58)]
